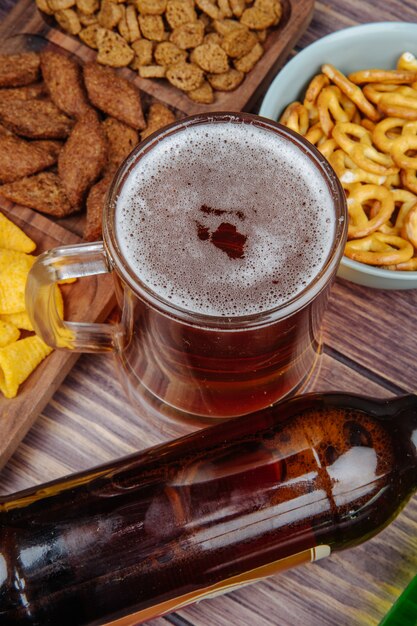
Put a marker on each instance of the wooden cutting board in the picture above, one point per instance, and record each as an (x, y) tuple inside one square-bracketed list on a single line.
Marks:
[(296, 16), (87, 300), (92, 299)]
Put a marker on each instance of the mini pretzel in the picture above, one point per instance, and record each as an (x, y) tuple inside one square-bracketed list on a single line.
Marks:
[(407, 61), (366, 123), (409, 179), (348, 135), (295, 117), (315, 134), (389, 229), (409, 128), (397, 104), (381, 246), (393, 180), (404, 200), (399, 150), (327, 148), (407, 266), (409, 229), (312, 93), (333, 105), (406, 90), (390, 77), (386, 131), (337, 161), (369, 136), (348, 172), (352, 91), (359, 224), (375, 91), (370, 251), (361, 151)]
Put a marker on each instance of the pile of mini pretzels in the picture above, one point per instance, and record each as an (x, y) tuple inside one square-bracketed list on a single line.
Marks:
[(365, 124)]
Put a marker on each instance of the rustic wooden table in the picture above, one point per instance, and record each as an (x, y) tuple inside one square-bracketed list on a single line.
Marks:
[(370, 346)]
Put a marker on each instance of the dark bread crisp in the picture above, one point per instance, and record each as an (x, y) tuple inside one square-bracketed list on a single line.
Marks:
[(158, 116), (63, 78), (19, 158), (83, 158), (19, 69), (35, 119), (27, 92), (5, 131), (114, 95), (95, 205), (121, 140), (42, 192), (38, 130), (51, 146)]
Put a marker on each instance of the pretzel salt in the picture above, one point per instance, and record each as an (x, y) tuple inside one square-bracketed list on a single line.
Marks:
[(348, 172), (407, 61)]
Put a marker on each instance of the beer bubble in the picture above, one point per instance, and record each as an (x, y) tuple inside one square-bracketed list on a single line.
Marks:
[(225, 219)]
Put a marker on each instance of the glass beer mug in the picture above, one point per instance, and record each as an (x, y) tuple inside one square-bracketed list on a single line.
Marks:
[(223, 233)]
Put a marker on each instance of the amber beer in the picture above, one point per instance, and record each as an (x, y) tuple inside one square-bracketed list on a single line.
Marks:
[(231, 229), (225, 506)]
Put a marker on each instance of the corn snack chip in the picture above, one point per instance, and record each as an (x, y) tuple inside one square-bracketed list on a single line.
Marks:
[(13, 238), (20, 320), (8, 333), (14, 268), (18, 357), (17, 362)]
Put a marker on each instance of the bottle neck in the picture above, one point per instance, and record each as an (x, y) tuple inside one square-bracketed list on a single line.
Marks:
[(405, 404), (404, 420)]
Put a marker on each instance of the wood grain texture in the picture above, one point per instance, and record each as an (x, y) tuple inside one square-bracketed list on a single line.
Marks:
[(370, 345), (376, 329)]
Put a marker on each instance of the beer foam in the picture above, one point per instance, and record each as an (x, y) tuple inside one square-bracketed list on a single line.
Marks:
[(199, 185)]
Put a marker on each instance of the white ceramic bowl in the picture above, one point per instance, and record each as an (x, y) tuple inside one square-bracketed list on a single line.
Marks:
[(375, 45)]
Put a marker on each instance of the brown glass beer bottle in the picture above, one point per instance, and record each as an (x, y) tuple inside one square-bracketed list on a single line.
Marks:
[(203, 514)]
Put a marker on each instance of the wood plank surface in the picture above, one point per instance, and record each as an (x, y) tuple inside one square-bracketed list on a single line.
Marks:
[(377, 330), (370, 346)]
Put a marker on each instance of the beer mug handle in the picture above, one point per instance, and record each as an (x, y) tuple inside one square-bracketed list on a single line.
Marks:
[(72, 261)]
